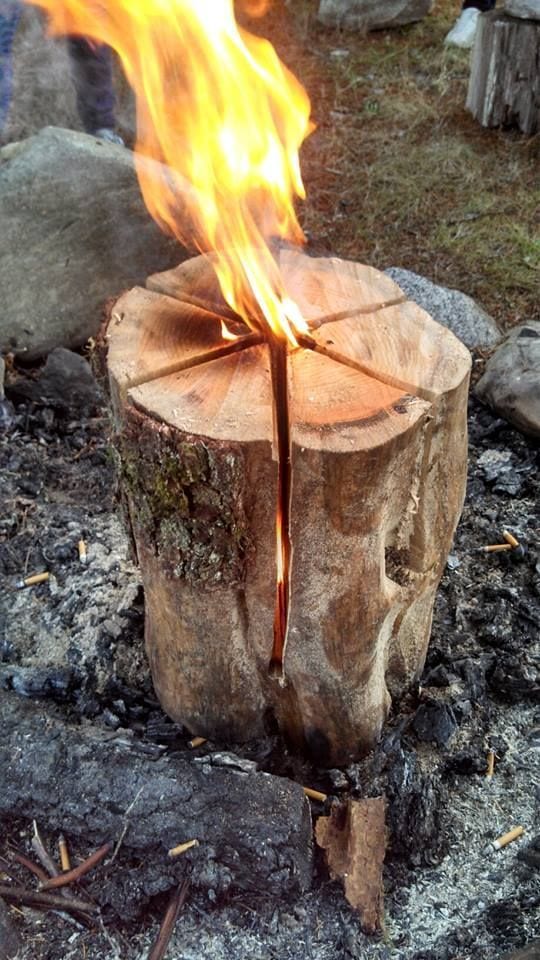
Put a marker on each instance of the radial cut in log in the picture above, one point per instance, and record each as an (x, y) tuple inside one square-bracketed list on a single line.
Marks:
[(377, 430), (504, 85)]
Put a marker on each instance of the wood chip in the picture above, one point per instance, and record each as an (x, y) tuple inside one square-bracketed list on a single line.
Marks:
[(354, 838)]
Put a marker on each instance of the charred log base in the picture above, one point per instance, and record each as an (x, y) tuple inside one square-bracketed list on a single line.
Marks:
[(254, 830)]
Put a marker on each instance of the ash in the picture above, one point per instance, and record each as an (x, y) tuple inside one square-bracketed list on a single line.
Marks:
[(78, 640)]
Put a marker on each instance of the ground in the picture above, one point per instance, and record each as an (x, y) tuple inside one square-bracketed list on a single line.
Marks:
[(397, 173)]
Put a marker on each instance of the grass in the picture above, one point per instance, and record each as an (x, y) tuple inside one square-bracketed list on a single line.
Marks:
[(398, 173)]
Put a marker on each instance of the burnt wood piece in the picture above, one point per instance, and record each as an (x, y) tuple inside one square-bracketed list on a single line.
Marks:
[(254, 829), (504, 84), (377, 406)]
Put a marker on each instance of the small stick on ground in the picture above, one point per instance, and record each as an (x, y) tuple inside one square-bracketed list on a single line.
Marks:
[(76, 873), (45, 901), (171, 915), (30, 865), (42, 854)]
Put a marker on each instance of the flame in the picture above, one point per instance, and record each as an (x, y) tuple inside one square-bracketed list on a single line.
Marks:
[(219, 109)]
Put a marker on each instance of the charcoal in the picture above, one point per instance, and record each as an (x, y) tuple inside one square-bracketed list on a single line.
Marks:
[(254, 829), (435, 722)]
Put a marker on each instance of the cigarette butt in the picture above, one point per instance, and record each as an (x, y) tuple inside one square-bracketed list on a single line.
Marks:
[(196, 742), (81, 547), (510, 538), (496, 548), (507, 838), (490, 764), (64, 854), (182, 847), (31, 581), (315, 794)]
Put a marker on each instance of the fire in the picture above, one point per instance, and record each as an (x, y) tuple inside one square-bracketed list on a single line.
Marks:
[(217, 107)]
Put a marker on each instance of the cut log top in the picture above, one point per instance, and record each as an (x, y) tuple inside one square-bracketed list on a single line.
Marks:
[(375, 356)]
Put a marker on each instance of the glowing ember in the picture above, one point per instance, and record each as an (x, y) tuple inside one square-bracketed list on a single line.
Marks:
[(219, 109)]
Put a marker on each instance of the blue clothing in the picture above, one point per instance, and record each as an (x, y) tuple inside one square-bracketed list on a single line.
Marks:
[(91, 65), (10, 14)]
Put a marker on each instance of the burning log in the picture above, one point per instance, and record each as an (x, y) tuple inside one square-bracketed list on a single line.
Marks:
[(350, 451)]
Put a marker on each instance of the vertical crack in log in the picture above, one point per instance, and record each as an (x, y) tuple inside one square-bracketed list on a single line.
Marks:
[(280, 401)]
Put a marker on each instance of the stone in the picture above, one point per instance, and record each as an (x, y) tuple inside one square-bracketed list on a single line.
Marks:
[(372, 15), (525, 9), (511, 381), (9, 938), (65, 382), (454, 309), (75, 232)]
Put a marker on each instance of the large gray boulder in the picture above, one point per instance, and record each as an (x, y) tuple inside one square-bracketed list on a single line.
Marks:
[(372, 14), (525, 9), (511, 381), (75, 232), (453, 309)]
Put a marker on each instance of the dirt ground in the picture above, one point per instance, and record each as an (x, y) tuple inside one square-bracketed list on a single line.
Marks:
[(78, 640), (397, 174)]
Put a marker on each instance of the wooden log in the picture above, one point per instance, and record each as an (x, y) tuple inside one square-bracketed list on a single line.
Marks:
[(504, 84), (377, 407), (94, 786)]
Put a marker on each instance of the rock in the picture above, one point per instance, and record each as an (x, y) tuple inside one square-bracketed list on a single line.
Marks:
[(371, 15), (511, 381), (526, 9), (453, 309), (9, 938), (65, 382), (75, 232)]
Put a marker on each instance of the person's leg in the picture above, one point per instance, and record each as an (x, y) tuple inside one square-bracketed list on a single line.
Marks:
[(92, 74), (10, 13), (482, 5)]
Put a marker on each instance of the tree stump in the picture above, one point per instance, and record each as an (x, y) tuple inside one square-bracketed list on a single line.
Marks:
[(504, 85), (377, 397)]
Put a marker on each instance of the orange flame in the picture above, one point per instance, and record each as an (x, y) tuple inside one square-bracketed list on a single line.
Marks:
[(219, 109)]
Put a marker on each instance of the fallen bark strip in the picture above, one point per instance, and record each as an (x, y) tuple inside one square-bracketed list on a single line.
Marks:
[(254, 830)]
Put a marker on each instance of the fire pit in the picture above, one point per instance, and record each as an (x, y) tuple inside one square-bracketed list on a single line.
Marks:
[(291, 508)]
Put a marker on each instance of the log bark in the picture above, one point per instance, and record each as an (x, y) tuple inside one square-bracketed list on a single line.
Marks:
[(504, 84), (254, 830), (377, 407)]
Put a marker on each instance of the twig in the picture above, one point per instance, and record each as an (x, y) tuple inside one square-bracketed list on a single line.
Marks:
[(30, 865), (45, 901), (126, 825), (76, 873), (171, 915), (42, 854)]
